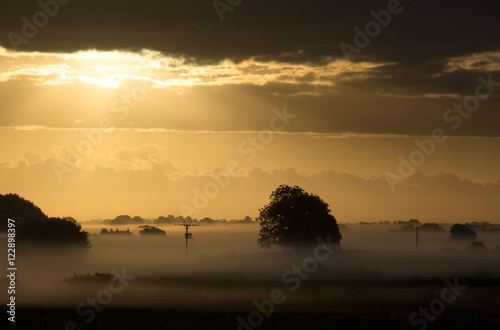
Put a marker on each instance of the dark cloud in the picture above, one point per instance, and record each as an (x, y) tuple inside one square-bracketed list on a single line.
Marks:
[(423, 31), (390, 99)]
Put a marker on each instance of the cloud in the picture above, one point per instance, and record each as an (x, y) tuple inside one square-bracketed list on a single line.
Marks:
[(401, 83), (282, 29), (115, 68), (32, 157), (430, 197), (144, 152), (145, 158), (477, 62)]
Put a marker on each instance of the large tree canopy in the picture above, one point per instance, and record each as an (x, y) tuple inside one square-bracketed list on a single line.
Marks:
[(294, 218), (54, 231), (459, 232), (33, 226), (19, 209)]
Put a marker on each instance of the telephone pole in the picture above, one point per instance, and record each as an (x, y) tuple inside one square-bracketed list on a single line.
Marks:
[(417, 237), (188, 235)]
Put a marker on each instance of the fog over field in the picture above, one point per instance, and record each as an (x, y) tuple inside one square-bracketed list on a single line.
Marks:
[(230, 253), (376, 277)]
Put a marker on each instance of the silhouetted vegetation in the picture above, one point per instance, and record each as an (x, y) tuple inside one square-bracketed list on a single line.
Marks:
[(459, 232), (477, 246), (88, 278), (207, 221), (71, 219), (33, 226), (432, 227), (168, 220), (54, 231), (294, 218), (126, 220), (408, 227), (21, 210), (478, 226), (104, 231), (151, 230), (411, 221), (412, 224)]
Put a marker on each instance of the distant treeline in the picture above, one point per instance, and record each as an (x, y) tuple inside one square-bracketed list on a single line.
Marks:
[(168, 220), (411, 224)]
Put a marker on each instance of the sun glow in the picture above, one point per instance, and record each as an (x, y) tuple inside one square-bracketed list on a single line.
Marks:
[(113, 69)]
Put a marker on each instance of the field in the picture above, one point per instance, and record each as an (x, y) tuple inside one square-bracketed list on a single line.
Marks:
[(234, 283)]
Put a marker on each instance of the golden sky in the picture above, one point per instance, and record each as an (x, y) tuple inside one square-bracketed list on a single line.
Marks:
[(93, 126)]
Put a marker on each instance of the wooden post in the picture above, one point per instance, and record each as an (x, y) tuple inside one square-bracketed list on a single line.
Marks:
[(417, 237)]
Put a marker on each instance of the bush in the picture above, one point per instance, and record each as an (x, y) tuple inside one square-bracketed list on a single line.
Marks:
[(151, 230)]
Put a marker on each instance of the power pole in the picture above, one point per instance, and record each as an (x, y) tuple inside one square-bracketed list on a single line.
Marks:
[(417, 237), (188, 235)]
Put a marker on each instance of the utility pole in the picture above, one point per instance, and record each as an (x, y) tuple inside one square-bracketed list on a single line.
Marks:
[(188, 235), (417, 237)]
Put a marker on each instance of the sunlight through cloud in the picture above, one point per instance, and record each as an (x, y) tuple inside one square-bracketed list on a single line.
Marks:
[(110, 69)]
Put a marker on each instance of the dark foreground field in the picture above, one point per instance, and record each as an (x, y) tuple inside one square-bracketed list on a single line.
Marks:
[(356, 304), (386, 317), (350, 290)]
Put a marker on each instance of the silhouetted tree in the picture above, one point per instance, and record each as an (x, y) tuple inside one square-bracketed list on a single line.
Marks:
[(247, 220), (121, 220), (207, 221), (414, 221), (104, 231), (477, 246), (19, 209), (33, 226), (431, 227), (170, 219), (408, 227), (126, 220), (478, 226), (97, 278), (137, 220), (71, 219), (294, 218), (54, 231), (459, 232), (151, 230)]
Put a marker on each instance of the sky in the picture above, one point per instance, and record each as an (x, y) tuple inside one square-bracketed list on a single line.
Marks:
[(388, 110)]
